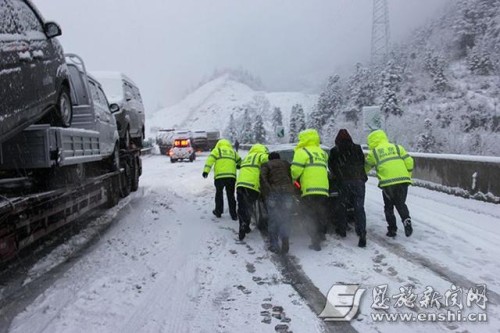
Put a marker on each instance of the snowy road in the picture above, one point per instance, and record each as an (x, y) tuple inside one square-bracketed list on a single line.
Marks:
[(167, 264)]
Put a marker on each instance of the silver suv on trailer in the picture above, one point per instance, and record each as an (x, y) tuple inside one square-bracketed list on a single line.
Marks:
[(91, 109), (121, 90)]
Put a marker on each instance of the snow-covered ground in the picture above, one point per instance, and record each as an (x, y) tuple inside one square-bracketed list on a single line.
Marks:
[(167, 264)]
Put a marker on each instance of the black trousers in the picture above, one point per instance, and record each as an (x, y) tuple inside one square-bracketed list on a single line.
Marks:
[(246, 201), (395, 196), (352, 194), (229, 184), (315, 208)]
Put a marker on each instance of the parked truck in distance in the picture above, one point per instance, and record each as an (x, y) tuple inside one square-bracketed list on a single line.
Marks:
[(212, 138), (200, 140), (165, 139)]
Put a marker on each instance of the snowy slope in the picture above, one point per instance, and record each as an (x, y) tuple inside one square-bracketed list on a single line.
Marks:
[(210, 106)]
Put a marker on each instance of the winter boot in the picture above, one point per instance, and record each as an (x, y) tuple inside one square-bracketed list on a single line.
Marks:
[(391, 233), (362, 240), (247, 228), (241, 233), (315, 247), (216, 214), (285, 245), (408, 227)]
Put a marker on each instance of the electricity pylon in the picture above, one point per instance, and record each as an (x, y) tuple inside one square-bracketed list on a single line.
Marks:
[(380, 31)]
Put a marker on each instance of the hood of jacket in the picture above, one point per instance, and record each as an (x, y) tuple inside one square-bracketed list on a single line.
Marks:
[(308, 138), (376, 138), (223, 143), (343, 138), (258, 148)]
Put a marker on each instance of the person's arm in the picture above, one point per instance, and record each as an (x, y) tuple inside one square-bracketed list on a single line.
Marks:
[(369, 161), (238, 160), (407, 159), (298, 164), (211, 160), (360, 157)]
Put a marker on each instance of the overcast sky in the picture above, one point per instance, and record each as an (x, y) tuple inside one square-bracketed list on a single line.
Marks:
[(166, 46)]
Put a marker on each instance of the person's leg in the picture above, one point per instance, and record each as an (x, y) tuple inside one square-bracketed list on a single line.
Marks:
[(387, 194), (340, 211), (285, 220), (273, 221), (358, 203), (230, 184), (312, 205), (219, 199), (244, 216), (401, 192)]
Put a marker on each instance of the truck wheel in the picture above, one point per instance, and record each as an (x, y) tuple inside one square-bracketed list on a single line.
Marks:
[(113, 192), (135, 175), (126, 179), (63, 110), (114, 159), (173, 160)]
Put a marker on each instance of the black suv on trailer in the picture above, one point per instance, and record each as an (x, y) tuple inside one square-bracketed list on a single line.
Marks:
[(33, 73)]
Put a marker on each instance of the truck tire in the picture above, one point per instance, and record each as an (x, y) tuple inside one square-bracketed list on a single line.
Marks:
[(126, 178), (173, 160), (64, 109), (135, 175), (113, 192)]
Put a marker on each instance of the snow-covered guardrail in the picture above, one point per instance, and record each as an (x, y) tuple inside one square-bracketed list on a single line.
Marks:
[(464, 175)]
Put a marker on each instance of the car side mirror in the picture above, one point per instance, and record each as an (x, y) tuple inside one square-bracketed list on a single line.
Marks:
[(128, 96), (114, 108), (52, 29)]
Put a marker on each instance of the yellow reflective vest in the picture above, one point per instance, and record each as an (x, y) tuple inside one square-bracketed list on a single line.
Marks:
[(392, 162), (225, 159), (249, 175), (310, 164)]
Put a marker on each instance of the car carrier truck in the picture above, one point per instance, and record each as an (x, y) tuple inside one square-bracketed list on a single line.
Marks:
[(51, 176)]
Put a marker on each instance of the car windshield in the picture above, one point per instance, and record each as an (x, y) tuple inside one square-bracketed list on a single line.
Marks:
[(113, 88)]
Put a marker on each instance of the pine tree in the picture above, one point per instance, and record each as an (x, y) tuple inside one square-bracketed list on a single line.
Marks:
[(426, 142), (231, 131), (247, 132), (435, 65), (479, 60), (259, 130), (297, 122), (391, 80), (329, 102), (277, 118)]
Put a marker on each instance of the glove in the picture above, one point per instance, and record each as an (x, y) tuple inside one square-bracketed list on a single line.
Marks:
[(205, 175)]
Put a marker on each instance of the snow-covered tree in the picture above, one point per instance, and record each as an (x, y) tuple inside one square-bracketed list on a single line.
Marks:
[(246, 132), (426, 142), (259, 131), (297, 122), (391, 80), (435, 65), (361, 88), (231, 131), (479, 59), (277, 118), (329, 102)]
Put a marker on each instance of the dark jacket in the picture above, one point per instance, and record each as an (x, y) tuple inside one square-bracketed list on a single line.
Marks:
[(275, 176), (346, 160)]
